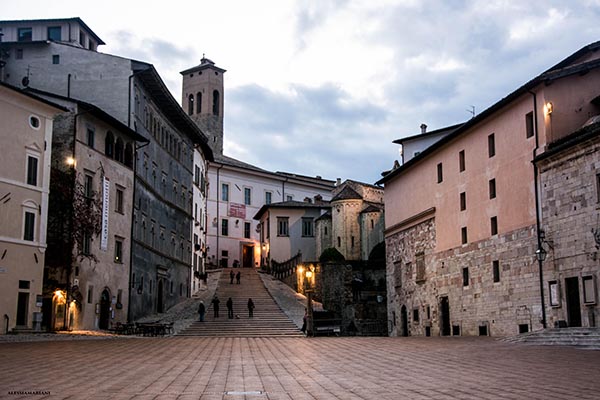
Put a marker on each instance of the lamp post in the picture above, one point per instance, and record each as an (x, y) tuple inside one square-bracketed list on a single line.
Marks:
[(541, 254), (309, 307)]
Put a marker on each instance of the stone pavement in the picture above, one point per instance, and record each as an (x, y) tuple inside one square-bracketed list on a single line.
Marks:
[(296, 368)]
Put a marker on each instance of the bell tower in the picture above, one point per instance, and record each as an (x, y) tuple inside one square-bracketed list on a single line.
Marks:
[(202, 100)]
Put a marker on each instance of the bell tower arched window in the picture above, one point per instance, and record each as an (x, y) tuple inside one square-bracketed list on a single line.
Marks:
[(216, 102), (119, 148), (190, 104), (198, 103)]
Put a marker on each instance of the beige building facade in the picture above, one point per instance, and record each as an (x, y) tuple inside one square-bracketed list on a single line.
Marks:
[(26, 137), (462, 220)]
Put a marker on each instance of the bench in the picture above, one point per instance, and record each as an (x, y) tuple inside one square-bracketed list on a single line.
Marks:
[(325, 323)]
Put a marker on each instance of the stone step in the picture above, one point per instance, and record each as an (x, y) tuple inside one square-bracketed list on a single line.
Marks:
[(588, 338), (268, 321)]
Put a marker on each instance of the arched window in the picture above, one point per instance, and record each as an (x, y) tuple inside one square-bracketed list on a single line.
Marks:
[(129, 155), (119, 150), (198, 103), (216, 102), (190, 104), (109, 145)]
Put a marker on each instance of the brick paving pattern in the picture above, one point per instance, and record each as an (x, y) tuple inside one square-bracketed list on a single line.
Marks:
[(297, 368)]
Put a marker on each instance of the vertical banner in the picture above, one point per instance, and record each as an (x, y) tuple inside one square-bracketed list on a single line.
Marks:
[(105, 205)]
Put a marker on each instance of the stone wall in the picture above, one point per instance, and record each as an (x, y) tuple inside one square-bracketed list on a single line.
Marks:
[(482, 306), (570, 216)]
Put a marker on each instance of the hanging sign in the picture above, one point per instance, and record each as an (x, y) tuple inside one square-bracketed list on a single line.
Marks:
[(105, 205)]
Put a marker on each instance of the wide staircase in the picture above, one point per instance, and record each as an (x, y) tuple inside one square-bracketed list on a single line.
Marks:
[(268, 321), (586, 338)]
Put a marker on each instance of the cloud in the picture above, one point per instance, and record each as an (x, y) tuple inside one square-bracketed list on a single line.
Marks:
[(307, 130)]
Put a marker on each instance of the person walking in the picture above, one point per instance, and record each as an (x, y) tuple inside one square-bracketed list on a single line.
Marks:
[(230, 308), (215, 302), (303, 329), (238, 277), (231, 276), (201, 310), (250, 308)]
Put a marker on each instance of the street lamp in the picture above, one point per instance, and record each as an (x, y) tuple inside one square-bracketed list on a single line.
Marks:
[(541, 254), (309, 307)]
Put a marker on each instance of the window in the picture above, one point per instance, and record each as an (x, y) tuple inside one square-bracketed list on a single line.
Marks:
[(461, 161), (34, 122), (32, 170), (198, 103), (29, 226), (19, 54), (216, 102), (190, 104), (225, 227), (416, 315), (55, 59), (247, 196), (88, 186), (589, 289), (90, 137), (494, 225), (352, 241), (54, 33), (529, 124), (119, 251), (268, 196), (120, 150), (82, 39), (86, 243), (492, 187), (496, 270), (307, 227), (463, 201), (109, 144), (465, 274), (491, 146), (420, 262), (598, 188), (463, 234), (90, 297), (24, 34), (225, 192), (247, 228), (197, 175), (119, 201), (282, 226), (339, 240), (440, 173)]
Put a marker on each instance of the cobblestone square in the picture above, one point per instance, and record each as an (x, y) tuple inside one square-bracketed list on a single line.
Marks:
[(295, 368)]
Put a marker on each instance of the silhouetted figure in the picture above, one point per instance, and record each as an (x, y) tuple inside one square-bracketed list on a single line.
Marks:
[(215, 302), (231, 276), (303, 329), (230, 308), (237, 277), (201, 310), (250, 308)]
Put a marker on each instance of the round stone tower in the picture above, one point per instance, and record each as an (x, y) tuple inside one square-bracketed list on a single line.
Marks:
[(202, 99)]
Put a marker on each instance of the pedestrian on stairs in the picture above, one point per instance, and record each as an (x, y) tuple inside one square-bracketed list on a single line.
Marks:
[(230, 308), (250, 308), (215, 302), (237, 277), (231, 276), (201, 310)]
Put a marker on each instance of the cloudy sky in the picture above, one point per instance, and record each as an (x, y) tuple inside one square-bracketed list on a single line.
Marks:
[(322, 87)]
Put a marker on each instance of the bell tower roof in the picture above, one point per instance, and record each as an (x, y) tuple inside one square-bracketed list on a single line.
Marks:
[(205, 63)]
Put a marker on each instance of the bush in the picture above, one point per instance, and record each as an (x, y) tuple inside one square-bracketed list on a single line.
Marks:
[(331, 254)]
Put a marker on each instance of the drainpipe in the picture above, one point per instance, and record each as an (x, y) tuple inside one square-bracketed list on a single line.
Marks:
[(538, 209), (218, 206)]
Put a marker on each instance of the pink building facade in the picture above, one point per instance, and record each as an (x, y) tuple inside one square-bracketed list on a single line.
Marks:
[(461, 217)]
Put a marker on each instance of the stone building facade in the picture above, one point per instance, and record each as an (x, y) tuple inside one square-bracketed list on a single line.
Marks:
[(357, 220), (133, 93), (462, 219), (570, 181), (26, 134)]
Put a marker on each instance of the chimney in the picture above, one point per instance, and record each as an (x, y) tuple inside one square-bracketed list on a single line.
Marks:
[(423, 128), (338, 181), (307, 200), (318, 199)]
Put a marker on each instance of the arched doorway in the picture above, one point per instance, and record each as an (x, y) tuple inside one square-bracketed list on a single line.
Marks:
[(104, 309), (403, 321), (159, 301)]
